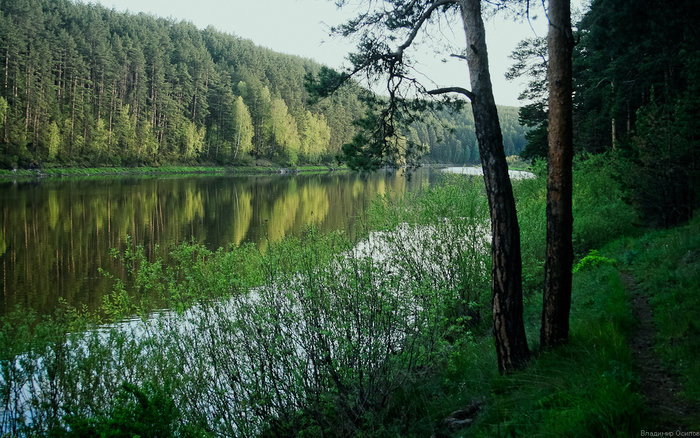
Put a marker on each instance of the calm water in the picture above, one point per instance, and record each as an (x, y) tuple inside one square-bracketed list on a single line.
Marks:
[(55, 234)]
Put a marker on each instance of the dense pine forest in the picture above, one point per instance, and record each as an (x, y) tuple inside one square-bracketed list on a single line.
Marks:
[(636, 96), (85, 85)]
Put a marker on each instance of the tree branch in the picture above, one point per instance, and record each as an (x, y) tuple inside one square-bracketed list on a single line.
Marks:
[(422, 19), (445, 90), (395, 58)]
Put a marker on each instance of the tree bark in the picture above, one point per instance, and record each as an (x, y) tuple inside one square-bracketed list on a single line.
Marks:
[(506, 267), (559, 252)]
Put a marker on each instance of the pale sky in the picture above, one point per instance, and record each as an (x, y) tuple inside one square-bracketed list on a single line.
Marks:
[(301, 27)]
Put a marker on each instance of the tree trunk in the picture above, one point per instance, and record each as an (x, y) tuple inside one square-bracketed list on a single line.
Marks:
[(7, 66), (111, 115), (27, 93), (613, 130), (238, 139), (72, 115), (101, 89), (506, 268), (153, 96), (559, 252)]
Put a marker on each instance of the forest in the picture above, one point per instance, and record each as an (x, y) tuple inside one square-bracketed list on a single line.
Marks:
[(83, 85), (636, 95)]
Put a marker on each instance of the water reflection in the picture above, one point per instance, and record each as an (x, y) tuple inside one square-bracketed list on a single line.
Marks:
[(55, 234)]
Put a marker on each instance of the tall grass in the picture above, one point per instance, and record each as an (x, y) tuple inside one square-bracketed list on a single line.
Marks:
[(586, 388)]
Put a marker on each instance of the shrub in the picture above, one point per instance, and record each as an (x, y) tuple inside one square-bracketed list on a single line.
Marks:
[(600, 211)]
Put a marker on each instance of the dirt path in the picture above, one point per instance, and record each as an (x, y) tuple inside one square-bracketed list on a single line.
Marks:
[(658, 386)]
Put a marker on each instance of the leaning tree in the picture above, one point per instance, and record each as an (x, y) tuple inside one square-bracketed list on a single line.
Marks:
[(386, 31)]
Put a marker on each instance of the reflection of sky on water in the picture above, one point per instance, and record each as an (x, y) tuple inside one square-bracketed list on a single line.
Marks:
[(514, 174)]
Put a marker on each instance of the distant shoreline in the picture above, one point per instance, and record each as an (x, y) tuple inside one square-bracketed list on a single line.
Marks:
[(61, 172), (162, 170)]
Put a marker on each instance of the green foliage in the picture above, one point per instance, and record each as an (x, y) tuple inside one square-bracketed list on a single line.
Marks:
[(407, 124), (53, 141), (191, 140), (147, 411), (145, 170), (315, 135), (593, 260), (441, 135), (190, 273), (453, 198), (360, 333), (3, 110), (530, 56), (140, 90), (600, 211), (530, 196), (323, 84), (380, 140), (660, 172), (446, 222), (630, 56), (244, 129), (365, 151), (591, 386), (628, 48)]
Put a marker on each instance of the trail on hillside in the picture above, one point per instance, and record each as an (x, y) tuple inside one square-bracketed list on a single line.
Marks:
[(659, 387)]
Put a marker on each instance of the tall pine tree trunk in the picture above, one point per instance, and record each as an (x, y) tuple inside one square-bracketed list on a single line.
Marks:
[(112, 106), (506, 267), (7, 66), (27, 93), (559, 252), (72, 115)]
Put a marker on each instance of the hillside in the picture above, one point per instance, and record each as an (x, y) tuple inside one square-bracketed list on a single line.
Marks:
[(86, 85)]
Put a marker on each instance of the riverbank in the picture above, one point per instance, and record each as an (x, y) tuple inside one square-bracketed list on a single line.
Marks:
[(330, 342), (163, 170), (265, 168)]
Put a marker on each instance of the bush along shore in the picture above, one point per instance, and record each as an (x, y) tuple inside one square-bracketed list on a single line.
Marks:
[(385, 336)]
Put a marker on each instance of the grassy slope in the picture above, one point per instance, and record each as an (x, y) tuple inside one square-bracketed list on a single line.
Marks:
[(591, 387), (666, 266)]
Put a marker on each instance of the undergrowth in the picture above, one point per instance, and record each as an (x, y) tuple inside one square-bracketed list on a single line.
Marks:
[(586, 388)]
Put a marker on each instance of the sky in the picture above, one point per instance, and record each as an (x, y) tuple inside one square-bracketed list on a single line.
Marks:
[(301, 27)]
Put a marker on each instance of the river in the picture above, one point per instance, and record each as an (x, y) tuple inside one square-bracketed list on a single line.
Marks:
[(55, 234)]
